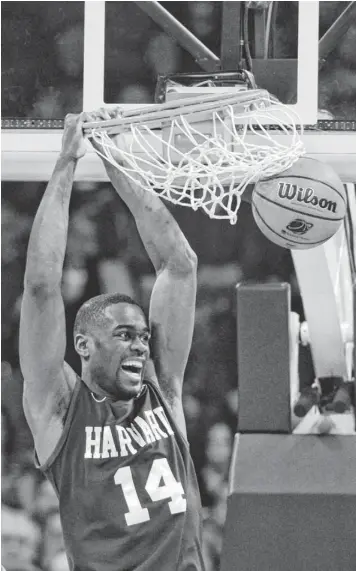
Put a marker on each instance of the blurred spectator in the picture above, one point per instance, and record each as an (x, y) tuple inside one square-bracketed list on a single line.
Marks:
[(20, 537), (58, 563), (18, 475), (203, 18), (74, 283), (214, 483), (48, 105), (218, 453), (47, 501), (11, 394), (134, 94), (212, 544), (82, 238), (346, 48), (19, 483), (230, 405), (70, 49), (163, 54), (337, 88), (53, 544), (7, 432), (218, 448), (27, 479), (7, 450), (19, 59), (15, 228)]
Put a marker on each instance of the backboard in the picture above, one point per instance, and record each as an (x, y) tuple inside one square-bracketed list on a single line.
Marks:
[(94, 53)]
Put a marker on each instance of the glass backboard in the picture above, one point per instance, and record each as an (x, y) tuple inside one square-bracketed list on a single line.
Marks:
[(62, 57)]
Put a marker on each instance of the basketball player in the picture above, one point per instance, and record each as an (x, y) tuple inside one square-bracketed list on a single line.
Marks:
[(113, 442)]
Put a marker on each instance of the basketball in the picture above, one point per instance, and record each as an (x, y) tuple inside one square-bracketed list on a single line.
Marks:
[(302, 207)]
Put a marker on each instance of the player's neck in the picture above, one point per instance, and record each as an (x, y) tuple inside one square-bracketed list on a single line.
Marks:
[(120, 408)]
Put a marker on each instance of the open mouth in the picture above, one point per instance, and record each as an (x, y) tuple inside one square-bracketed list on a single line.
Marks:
[(133, 368)]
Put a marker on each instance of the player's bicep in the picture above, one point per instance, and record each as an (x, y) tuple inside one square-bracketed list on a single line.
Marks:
[(172, 313), (42, 343)]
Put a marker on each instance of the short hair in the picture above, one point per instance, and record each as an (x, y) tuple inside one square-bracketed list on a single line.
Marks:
[(91, 313)]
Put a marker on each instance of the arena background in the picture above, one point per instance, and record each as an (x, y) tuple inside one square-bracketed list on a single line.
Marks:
[(41, 78)]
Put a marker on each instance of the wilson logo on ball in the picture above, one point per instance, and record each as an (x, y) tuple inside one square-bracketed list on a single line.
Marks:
[(305, 195), (299, 226)]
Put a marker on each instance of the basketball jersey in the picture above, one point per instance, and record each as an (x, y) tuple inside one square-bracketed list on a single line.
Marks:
[(128, 493)]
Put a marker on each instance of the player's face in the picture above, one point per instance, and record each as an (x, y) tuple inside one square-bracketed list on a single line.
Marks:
[(120, 352)]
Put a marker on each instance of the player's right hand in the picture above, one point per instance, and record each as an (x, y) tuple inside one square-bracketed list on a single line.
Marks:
[(73, 142)]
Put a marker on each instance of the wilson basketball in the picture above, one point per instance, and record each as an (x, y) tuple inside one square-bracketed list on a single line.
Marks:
[(302, 207)]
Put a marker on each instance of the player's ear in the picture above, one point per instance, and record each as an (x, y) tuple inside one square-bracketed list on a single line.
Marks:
[(82, 345)]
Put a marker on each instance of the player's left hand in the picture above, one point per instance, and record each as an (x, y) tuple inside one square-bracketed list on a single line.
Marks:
[(102, 114), (105, 114)]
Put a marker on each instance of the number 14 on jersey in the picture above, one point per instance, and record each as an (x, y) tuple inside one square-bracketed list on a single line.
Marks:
[(169, 488)]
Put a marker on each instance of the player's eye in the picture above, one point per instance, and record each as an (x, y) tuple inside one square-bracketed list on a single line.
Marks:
[(124, 335), (145, 337)]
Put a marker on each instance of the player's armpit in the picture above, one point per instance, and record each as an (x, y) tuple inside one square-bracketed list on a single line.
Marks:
[(172, 391), (47, 423)]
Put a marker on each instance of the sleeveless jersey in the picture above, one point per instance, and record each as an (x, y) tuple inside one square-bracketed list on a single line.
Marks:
[(128, 493)]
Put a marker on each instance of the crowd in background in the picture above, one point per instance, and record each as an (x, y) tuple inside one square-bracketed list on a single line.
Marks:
[(42, 77)]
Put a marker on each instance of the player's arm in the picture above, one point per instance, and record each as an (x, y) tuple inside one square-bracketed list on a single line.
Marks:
[(48, 381), (172, 306)]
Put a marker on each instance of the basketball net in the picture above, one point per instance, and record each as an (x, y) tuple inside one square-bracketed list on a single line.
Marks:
[(202, 152)]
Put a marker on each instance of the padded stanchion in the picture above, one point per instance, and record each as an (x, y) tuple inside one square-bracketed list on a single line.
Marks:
[(292, 504), (263, 357)]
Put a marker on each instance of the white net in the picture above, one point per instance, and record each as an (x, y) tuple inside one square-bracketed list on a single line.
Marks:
[(204, 159)]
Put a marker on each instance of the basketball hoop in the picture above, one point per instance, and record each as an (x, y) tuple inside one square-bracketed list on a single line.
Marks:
[(202, 151)]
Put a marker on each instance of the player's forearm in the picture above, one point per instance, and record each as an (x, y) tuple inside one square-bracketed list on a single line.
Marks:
[(164, 241), (48, 239)]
